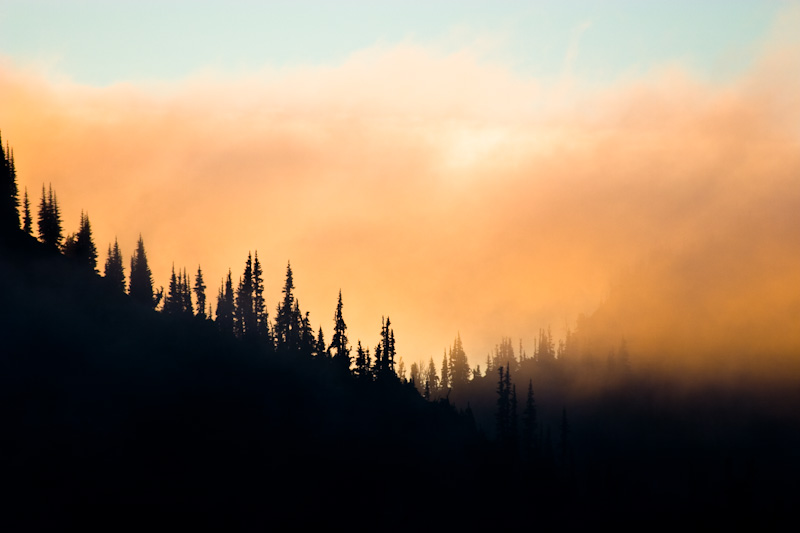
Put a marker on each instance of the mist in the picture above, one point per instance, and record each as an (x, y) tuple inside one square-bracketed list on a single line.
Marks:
[(451, 194)]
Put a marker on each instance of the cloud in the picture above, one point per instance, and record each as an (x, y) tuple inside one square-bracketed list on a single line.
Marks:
[(448, 193)]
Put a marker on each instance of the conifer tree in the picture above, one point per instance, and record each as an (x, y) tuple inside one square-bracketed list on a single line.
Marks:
[(445, 374), (401, 370), (385, 353), (529, 439), (27, 221), (200, 293), (307, 341), (459, 365), (171, 302), (84, 249), (432, 379), (502, 414), (285, 319), (114, 269), (339, 349), (259, 305), (186, 295), (415, 376), (225, 305), (320, 350), (361, 370), (513, 424), (9, 193), (49, 220), (545, 351), (140, 286), (245, 314)]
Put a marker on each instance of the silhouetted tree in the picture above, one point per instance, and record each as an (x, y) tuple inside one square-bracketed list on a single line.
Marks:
[(114, 269), (513, 423), (545, 351), (321, 350), (506, 416), (459, 365), (225, 306), (529, 439), (385, 352), (245, 317), (502, 413), (432, 379), (172, 303), (200, 293), (287, 321), (27, 220), (504, 353), (308, 343), (49, 220), (339, 349), (80, 246), (362, 370), (9, 193), (416, 376), (259, 305), (186, 295), (140, 286), (445, 374)]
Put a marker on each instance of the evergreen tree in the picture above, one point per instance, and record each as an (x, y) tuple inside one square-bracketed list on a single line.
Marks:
[(362, 362), (114, 269), (70, 243), (401, 370), (9, 193), (200, 293), (459, 365), (84, 249), (445, 374), (245, 314), (432, 379), (225, 305), (513, 424), (414, 377), (503, 407), (140, 286), (307, 341), (504, 353), (27, 221), (259, 305), (529, 439), (340, 350), (285, 319), (49, 220), (545, 351), (321, 351), (385, 353), (186, 295), (172, 302)]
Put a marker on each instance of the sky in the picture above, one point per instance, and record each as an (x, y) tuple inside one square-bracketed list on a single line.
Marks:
[(488, 168)]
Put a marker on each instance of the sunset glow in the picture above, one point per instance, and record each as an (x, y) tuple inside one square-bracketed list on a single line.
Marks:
[(442, 177)]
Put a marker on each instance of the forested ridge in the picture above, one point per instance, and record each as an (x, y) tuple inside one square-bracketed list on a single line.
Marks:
[(127, 400)]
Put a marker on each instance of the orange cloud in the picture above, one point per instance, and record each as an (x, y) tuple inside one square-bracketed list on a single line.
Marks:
[(450, 194)]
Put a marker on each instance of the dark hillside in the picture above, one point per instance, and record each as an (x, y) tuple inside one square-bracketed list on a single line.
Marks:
[(106, 402)]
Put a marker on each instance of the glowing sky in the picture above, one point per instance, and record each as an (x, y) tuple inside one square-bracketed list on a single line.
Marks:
[(488, 168)]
